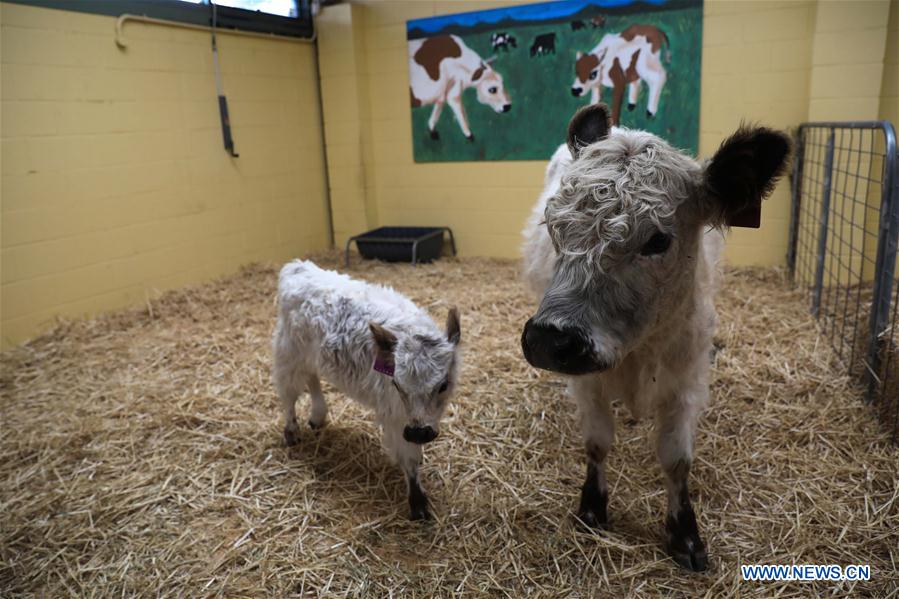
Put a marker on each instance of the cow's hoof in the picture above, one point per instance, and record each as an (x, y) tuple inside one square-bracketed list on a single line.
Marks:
[(419, 513), (470, 137), (593, 508), (696, 560), (631, 107), (291, 435), (315, 425), (650, 115), (593, 520), (685, 546), (435, 135)]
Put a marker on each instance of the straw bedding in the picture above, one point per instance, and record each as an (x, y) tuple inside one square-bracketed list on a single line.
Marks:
[(141, 453)]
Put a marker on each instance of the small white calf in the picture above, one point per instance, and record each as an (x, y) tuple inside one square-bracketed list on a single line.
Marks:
[(374, 345), (621, 250), (441, 68)]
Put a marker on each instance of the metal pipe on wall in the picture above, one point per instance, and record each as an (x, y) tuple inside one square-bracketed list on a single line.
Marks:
[(123, 18)]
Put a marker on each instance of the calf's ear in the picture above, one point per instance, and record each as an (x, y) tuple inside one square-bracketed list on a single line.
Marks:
[(385, 343), (453, 328), (588, 125), (742, 173), (384, 339)]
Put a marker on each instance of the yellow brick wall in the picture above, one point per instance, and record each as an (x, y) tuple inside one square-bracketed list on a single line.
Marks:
[(114, 180), (755, 68), (889, 86), (848, 60)]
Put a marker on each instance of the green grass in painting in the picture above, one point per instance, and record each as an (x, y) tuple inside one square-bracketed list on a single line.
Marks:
[(542, 102)]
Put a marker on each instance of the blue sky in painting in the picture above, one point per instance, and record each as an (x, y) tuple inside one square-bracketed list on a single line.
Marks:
[(529, 12)]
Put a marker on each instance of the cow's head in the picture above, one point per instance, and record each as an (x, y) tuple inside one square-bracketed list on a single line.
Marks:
[(588, 70), (423, 370), (627, 225), (489, 85)]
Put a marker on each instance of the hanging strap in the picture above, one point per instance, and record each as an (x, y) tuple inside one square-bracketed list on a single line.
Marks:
[(223, 101)]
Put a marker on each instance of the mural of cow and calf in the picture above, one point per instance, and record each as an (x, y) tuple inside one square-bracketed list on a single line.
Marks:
[(517, 77)]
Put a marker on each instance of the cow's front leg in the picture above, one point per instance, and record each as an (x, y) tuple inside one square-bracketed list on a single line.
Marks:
[(676, 424), (455, 102), (598, 428), (408, 457), (435, 116)]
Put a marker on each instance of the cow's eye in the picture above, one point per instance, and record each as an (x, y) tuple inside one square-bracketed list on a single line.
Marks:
[(657, 244), (492, 90), (593, 75)]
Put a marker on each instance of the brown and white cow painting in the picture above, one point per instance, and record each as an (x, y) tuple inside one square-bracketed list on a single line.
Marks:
[(441, 68), (624, 59)]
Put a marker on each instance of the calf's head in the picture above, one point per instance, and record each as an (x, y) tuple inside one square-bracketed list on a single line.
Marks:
[(423, 369), (627, 225), (587, 73), (489, 85)]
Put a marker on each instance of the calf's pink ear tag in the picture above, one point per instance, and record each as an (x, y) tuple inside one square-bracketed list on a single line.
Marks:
[(750, 217), (383, 367)]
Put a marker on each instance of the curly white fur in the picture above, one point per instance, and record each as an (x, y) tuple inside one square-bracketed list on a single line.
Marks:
[(653, 316), (622, 250)]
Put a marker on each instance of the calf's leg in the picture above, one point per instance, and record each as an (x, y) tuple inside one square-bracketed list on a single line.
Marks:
[(655, 80), (455, 102), (598, 428), (287, 383), (435, 116), (633, 91), (408, 457), (676, 423), (318, 413)]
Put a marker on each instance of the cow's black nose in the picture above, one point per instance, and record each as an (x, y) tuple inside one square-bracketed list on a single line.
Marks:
[(576, 91), (419, 434), (558, 350), (507, 107)]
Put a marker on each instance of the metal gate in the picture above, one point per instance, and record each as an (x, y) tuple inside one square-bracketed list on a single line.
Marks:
[(842, 250)]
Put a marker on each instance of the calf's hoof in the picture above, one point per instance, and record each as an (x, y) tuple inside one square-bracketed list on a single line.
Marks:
[(435, 136), (631, 107), (419, 513), (418, 502), (684, 545), (593, 520), (693, 559), (291, 435), (650, 115), (470, 137), (593, 509)]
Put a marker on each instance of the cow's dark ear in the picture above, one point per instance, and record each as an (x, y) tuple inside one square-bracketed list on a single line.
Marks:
[(742, 173), (588, 125)]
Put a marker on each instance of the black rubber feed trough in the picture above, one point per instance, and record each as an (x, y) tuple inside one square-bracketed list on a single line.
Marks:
[(401, 244)]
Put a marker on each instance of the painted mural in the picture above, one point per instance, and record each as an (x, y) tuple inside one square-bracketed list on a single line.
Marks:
[(502, 84)]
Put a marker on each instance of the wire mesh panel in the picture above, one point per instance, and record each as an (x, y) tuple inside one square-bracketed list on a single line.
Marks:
[(843, 239)]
